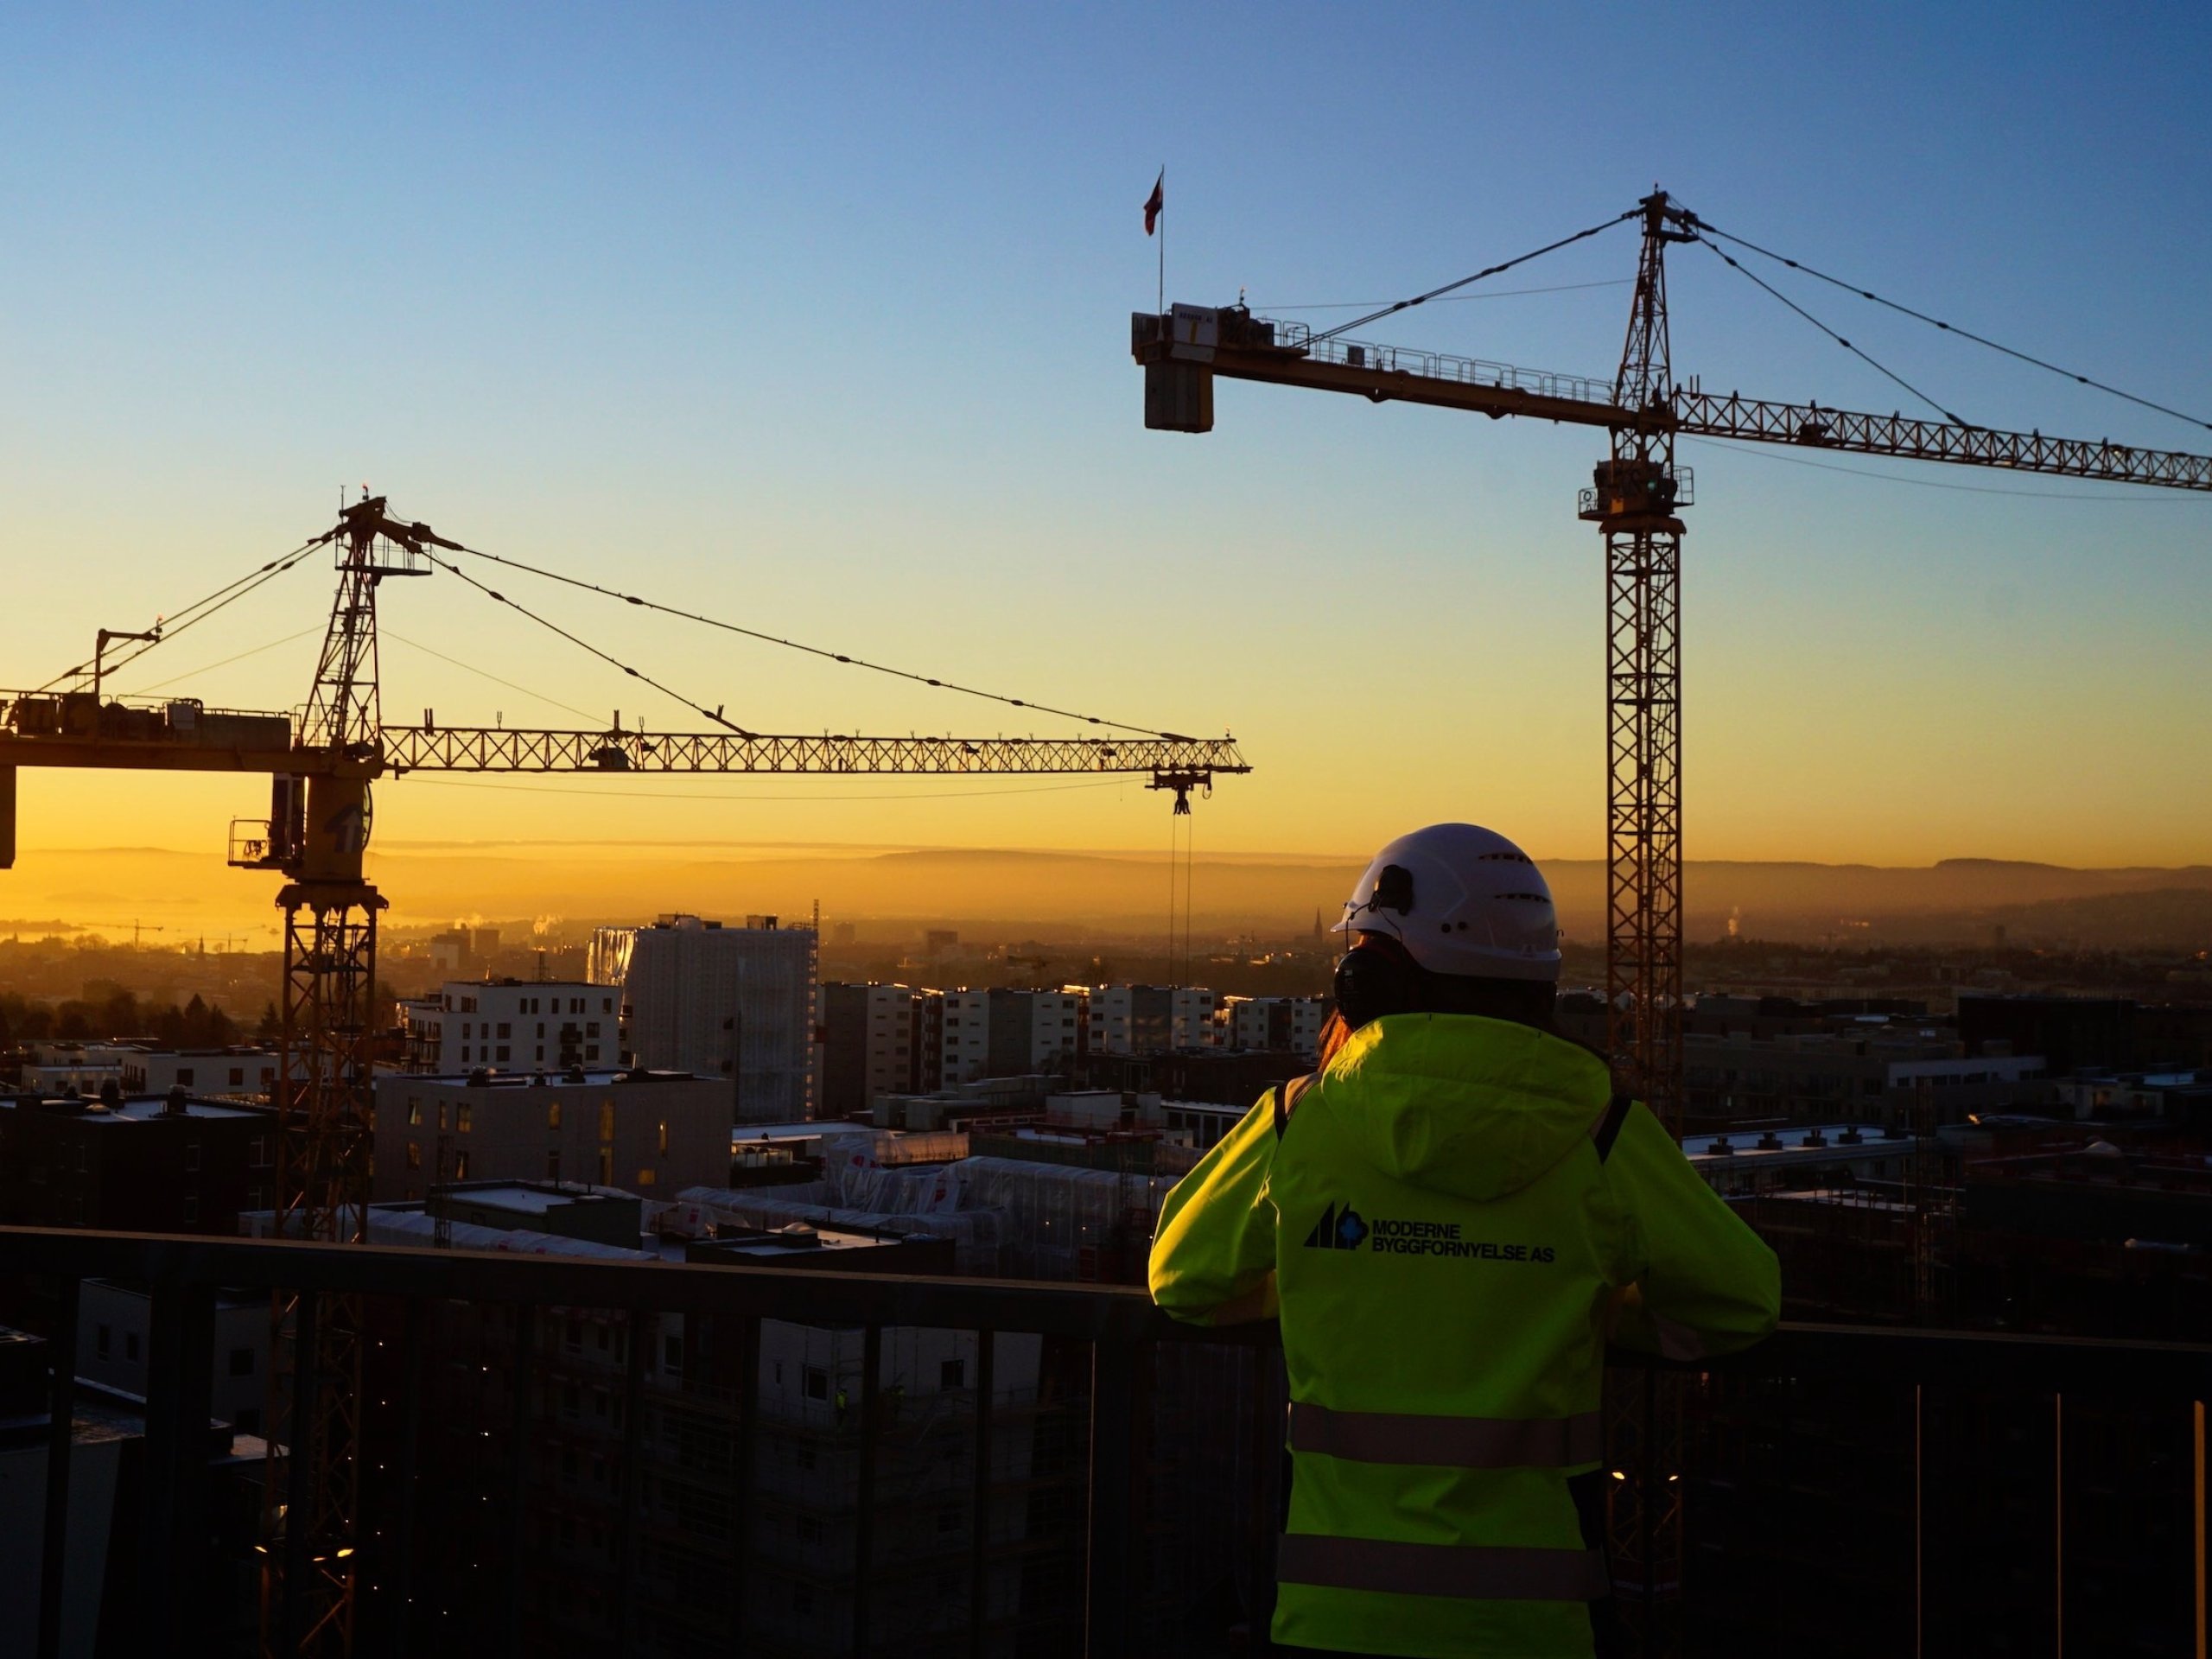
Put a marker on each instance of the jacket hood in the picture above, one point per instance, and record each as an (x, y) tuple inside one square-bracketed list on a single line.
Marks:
[(1462, 1104)]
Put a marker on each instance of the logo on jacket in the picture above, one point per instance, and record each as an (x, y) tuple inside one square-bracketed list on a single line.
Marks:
[(1339, 1229)]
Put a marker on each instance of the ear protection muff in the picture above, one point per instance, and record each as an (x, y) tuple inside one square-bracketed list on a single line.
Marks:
[(1375, 978)]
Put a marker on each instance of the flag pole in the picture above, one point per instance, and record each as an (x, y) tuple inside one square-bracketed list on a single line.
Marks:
[(1163, 238)]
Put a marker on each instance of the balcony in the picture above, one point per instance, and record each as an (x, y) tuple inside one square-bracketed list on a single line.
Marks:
[(563, 1454)]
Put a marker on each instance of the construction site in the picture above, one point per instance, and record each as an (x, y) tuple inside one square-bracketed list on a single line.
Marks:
[(894, 1386)]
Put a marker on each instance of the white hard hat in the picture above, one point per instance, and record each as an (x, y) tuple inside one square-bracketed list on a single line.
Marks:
[(1462, 899)]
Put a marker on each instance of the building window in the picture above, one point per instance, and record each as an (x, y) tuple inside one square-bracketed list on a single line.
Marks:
[(816, 1382), (461, 1165), (241, 1361), (414, 1155), (256, 1197), (645, 1177), (191, 1154), (237, 1076), (952, 1374), (592, 1052), (553, 1165), (591, 1028), (257, 1152), (184, 1075), (503, 1030), (503, 1052), (672, 1353), (461, 1117), (442, 1117), (664, 1138), (607, 1005), (192, 1206), (415, 1114), (101, 1337), (553, 1114), (606, 1119)]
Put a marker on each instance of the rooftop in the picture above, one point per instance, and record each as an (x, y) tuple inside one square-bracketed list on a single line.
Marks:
[(133, 1108)]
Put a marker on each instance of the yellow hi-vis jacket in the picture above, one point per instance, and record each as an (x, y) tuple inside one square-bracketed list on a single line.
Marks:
[(1450, 1220)]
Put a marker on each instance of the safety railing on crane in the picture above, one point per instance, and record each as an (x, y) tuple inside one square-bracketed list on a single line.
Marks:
[(1437, 366)]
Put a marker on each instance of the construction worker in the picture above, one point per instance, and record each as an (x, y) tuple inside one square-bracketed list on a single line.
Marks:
[(1451, 1217)]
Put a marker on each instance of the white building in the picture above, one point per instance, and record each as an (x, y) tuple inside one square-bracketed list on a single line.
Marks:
[(1146, 1018), (1273, 1023), (965, 1051), (114, 1334), (204, 1071), (733, 1002), (511, 1025)]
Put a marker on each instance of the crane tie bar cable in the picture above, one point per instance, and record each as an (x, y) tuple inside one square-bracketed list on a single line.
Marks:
[(1953, 328), (714, 714), (1887, 374), (816, 650), (1492, 271), (205, 607)]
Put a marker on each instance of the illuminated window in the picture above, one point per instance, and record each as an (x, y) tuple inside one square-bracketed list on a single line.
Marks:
[(663, 1140), (553, 1114), (606, 1119), (414, 1155)]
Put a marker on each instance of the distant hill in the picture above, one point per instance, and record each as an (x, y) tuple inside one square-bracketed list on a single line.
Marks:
[(1076, 893)]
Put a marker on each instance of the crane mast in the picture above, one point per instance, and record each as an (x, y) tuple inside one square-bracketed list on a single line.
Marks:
[(316, 836), (1634, 504)]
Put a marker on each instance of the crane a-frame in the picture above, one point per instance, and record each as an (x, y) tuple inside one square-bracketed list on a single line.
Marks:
[(315, 836), (1635, 500)]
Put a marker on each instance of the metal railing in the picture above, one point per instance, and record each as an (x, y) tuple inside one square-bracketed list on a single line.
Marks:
[(1095, 1451), (1439, 366)]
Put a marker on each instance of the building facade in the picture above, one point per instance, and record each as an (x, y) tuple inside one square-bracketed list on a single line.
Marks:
[(650, 1132), (511, 1025), (736, 1003)]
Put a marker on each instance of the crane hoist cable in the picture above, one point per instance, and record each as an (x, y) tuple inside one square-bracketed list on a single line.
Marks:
[(199, 611), (818, 651), (1735, 265), (714, 714), (1953, 328), (1488, 270)]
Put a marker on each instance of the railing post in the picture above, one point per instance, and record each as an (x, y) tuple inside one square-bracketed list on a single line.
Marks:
[(864, 1494), (61, 1438), (748, 1452), (174, 1545), (1110, 1581), (632, 1485), (980, 1517), (399, 1622), (525, 1346), (299, 1465)]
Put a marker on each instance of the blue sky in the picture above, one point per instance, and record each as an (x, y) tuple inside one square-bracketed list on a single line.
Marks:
[(816, 318)]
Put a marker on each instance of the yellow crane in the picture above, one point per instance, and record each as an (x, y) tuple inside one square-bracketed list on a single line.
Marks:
[(315, 836)]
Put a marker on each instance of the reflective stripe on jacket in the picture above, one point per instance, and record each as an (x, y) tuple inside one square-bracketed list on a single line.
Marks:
[(1447, 1248)]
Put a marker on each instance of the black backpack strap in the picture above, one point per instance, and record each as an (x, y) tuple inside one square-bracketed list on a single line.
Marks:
[(1609, 1126), (1284, 1097)]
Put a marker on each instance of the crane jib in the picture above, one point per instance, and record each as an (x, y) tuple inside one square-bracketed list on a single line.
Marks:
[(1183, 352)]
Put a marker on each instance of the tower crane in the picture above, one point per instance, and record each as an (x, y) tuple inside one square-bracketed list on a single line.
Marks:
[(315, 837), (1636, 499)]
